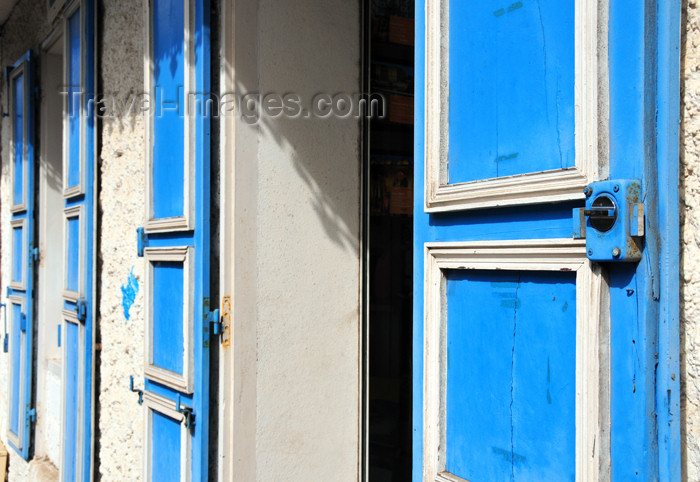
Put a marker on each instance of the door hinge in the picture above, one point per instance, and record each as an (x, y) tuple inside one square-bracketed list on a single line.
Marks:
[(141, 241), (33, 254), (187, 412), (214, 319), (81, 310), (30, 415), (23, 322)]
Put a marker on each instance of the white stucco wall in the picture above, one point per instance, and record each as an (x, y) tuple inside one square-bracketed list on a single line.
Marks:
[(690, 239), (122, 171)]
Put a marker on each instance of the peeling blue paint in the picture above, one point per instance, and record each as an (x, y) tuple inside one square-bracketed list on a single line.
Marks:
[(129, 291)]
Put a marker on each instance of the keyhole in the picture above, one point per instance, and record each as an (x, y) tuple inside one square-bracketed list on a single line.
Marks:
[(605, 214)]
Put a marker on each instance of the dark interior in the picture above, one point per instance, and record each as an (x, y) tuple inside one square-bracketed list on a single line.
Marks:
[(390, 67)]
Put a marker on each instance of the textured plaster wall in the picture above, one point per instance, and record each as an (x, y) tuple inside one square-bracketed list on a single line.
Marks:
[(690, 239), (122, 170)]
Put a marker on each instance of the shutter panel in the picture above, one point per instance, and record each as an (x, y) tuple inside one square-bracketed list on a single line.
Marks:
[(20, 292), (78, 245), (175, 244)]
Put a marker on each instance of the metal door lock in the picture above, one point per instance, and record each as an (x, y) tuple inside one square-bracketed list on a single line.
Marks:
[(612, 221)]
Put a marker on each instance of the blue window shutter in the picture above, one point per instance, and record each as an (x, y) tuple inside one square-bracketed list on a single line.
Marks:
[(175, 244), (77, 333), (20, 293)]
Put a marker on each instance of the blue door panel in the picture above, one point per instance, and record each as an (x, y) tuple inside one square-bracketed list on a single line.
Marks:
[(169, 123), (15, 390), (515, 223), (511, 375), (74, 84), (168, 342), (18, 127), (511, 71), (71, 391), (73, 254), (165, 449), (18, 254), (511, 88)]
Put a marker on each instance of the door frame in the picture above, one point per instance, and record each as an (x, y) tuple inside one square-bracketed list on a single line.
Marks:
[(668, 373)]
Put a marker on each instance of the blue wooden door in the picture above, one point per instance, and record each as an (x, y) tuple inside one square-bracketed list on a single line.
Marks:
[(20, 292), (175, 244), (531, 360), (78, 316)]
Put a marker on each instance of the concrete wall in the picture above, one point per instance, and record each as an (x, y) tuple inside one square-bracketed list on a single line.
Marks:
[(295, 236)]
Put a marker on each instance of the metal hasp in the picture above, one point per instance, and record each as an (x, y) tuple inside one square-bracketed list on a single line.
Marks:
[(187, 413), (135, 390), (141, 241), (612, 221), (81, 310), (30, 415)]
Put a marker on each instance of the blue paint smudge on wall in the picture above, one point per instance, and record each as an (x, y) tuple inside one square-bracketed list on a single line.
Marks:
[(129, 291)]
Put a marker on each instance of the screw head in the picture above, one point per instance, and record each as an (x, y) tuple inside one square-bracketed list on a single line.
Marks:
[(616, 252), (590, 252), (616, 188), (587, 191)]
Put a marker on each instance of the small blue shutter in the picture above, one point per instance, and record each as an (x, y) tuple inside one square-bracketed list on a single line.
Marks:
[(176, 244), (78, 217), (20, 299)]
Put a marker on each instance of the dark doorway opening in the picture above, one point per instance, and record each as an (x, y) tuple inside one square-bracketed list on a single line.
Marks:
[(389, 72)]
